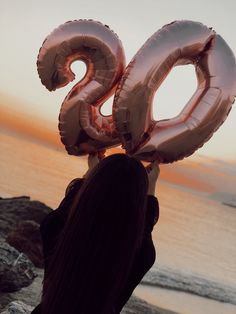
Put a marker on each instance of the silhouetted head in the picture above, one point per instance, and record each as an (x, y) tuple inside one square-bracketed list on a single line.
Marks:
[(99, 241)]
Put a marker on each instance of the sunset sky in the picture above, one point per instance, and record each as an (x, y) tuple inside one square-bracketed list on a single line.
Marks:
[(25, 24)]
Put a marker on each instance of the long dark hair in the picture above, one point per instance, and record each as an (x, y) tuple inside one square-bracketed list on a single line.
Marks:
[(98, 243)]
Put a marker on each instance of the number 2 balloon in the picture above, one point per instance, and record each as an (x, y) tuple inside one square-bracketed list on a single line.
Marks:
[(84, 129)]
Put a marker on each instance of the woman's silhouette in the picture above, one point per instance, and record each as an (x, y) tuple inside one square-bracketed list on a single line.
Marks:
[(97, 244)]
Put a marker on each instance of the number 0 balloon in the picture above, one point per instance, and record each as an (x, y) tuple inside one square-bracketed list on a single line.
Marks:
[(84, 129)]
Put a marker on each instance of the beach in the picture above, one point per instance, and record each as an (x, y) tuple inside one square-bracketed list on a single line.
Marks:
[(196, 233)]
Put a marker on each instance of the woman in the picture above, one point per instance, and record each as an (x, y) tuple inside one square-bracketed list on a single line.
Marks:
[(97, 244)]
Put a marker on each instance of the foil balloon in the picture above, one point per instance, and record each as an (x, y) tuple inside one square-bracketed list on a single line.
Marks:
[(169, 140), (83, 129)]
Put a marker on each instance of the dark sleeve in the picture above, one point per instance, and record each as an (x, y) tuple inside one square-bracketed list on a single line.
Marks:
[(54, 222), (145, 257)]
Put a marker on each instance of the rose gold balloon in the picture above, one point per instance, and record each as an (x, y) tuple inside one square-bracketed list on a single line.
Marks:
[(180, 42), (83, 128)]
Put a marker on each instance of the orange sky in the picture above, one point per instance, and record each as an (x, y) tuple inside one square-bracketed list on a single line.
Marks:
[(29, 126), (43, 131)]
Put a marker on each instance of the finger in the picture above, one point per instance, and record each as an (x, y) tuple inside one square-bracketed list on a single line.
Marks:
[(91, 156), (101, 154), (155, 164), (92, 159), (149, 168)]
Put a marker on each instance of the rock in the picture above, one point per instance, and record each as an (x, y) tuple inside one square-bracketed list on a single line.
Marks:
[(16, 270), (26, 238), (30, 295), (13, 210), (17, 307)]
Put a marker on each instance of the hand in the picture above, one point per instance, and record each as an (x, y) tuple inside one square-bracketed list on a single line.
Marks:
[(93, 160), (153, 172)]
